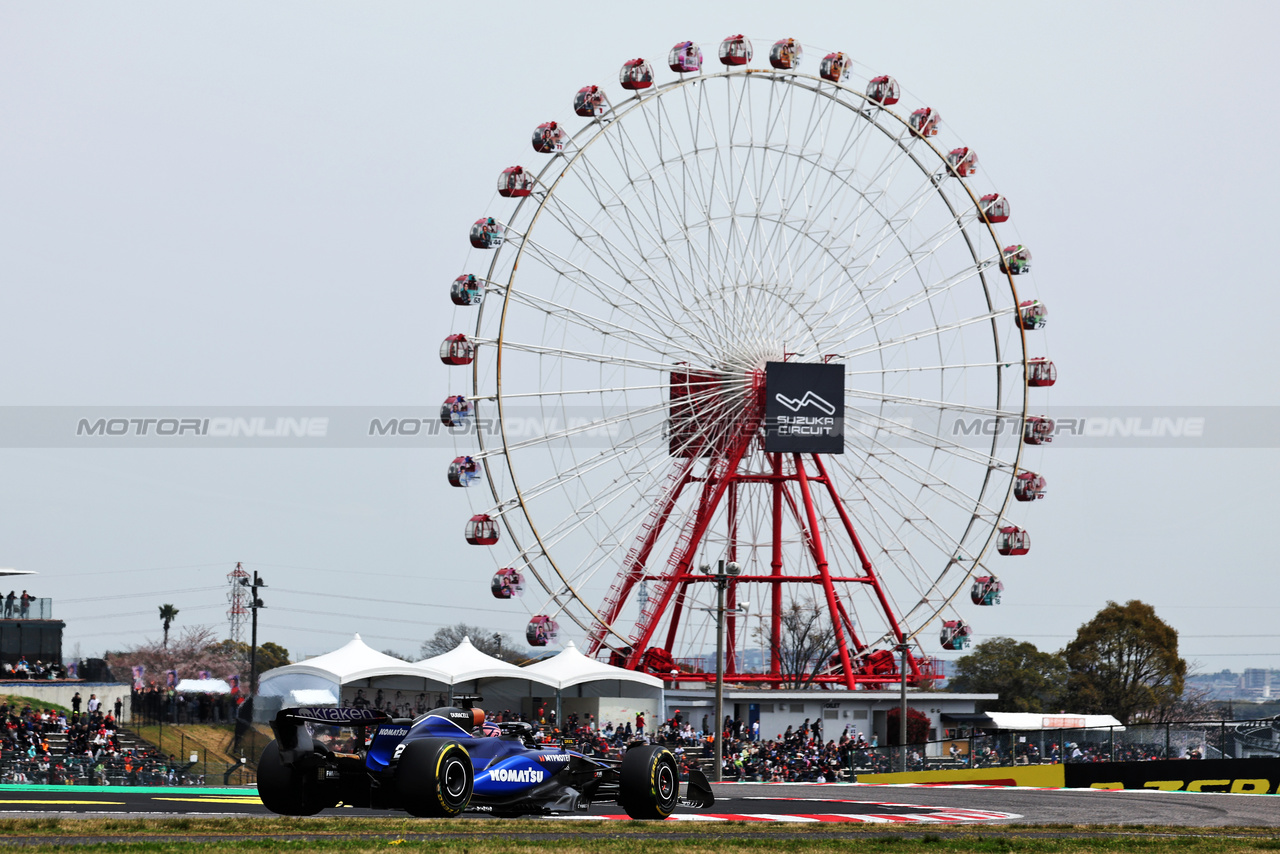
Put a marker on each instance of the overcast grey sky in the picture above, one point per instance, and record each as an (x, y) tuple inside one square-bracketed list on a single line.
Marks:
[(263, 204)]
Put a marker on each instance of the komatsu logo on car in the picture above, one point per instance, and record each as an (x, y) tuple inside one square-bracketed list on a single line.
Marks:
[(517, 775), (393, 730)]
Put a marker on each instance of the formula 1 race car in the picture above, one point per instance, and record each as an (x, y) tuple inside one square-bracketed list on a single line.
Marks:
[(450, 760)]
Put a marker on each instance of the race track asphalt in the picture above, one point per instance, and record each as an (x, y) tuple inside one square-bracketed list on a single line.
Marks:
[(884, 804)]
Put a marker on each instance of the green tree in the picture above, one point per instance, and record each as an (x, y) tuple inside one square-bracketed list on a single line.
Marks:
[(168, 614), (489, 642), (1026, 679), (1124, 662)]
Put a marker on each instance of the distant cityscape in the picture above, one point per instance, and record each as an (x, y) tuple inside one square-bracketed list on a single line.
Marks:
[(1254, 685)]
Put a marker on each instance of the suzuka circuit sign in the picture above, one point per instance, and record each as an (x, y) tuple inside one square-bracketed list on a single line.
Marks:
[(804, 408)]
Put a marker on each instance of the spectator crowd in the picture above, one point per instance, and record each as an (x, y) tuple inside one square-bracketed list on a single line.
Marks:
[(49, 746)]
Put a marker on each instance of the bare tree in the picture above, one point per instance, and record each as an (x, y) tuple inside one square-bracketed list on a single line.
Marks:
[(489, 642), (805, 646)]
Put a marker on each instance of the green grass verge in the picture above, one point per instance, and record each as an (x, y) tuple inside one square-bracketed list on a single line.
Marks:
[(479, 836)]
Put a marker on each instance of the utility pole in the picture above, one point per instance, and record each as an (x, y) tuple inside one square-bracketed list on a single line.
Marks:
[(903, 648), (254, 605), (724, 571)]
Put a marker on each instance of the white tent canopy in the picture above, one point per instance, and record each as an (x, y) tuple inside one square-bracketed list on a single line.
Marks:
[(388, 682), (202, 686), (571, 668), (355, 664), (356, 660), (465, 663), (1035, 720)]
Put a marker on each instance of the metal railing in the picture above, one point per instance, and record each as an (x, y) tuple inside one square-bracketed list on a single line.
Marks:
[(34, 609)]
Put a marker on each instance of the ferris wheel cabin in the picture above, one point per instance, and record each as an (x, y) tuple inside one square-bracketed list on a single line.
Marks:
[(1015, 260), (986, 590), (487, 233), (1013, 541), (541, 631), (955, 634), (466, 290), (834, 67), (785, 54), (636, 74), (1029, 486), (515, 183), (994, 208), (548, 138), (924, 122), (685, 58), (735, 50), (590, 102), (963, 161), (1041, 373), (1032, 314), (463, 472), (457, 349), (455, 410), (481, 530), (507, 583), (1037, 430), (884, 90)]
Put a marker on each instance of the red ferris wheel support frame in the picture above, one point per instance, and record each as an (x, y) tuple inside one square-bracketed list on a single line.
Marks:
[(793, 492)]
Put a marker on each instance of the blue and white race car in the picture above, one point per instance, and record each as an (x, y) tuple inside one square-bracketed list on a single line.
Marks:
[(446, 761)]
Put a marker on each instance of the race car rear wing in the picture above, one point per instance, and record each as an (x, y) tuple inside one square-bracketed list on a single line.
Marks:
[(295, 740)]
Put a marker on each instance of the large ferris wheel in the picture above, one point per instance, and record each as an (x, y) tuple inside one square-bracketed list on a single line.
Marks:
[(753, 316)]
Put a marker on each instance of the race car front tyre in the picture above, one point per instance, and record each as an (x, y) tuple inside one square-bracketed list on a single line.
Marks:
[(434, 778), (649, 782), (284, 789)]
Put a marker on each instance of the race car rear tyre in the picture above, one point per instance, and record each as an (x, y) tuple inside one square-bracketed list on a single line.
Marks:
[(284, 789), (649, 782), (434, 778)]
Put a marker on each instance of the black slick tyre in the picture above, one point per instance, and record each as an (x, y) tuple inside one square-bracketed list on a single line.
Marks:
[(286, 790), (434, 778), (649, 782)]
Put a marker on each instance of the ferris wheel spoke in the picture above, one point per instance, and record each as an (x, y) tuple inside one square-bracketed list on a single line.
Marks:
[(580, 318), (941, 406), (925, 528), (620, 299), (928, 333), (930, 480), (596, 425), (922, 438), (585, 355), (691, 289), (631, 270), (954, 366)]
